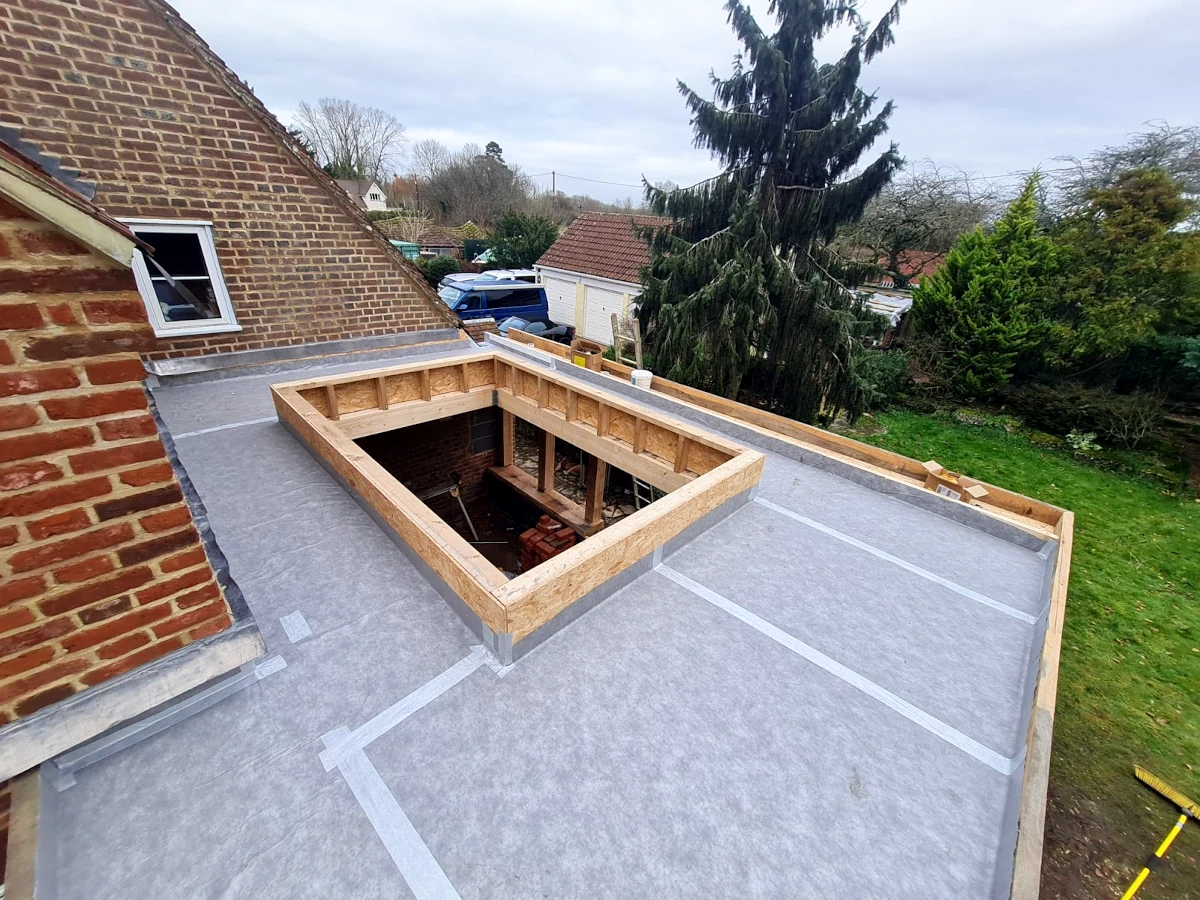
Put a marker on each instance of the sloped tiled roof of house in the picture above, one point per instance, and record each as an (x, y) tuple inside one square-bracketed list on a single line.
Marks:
[(604, 245), (439, 237), (915, 264)]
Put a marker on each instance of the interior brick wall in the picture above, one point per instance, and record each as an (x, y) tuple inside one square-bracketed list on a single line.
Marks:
[(124, 91), (421, 457), (101, 567)]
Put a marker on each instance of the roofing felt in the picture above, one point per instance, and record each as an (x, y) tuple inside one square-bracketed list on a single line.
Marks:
[(603, 244), (824, 693)]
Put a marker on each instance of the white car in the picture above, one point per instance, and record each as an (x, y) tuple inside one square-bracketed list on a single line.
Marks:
[(493, 275)]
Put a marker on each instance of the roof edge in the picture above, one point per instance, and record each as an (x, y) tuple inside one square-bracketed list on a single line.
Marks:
[(32, 189)]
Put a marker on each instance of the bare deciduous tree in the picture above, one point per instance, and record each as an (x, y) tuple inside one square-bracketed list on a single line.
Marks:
[(351, 140), (408, 227), (918, 217), (477, 187), (427, 158)]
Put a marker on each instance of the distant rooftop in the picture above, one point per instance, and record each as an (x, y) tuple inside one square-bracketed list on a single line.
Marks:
[(604, 245)]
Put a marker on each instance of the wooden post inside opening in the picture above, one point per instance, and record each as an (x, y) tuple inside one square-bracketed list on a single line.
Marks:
[(508, 428), (597, 474), (546, 462)]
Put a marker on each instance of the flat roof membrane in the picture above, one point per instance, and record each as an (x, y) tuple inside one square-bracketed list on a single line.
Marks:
[(823, 691)]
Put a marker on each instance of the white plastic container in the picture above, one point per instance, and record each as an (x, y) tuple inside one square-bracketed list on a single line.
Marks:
[(641, 378)]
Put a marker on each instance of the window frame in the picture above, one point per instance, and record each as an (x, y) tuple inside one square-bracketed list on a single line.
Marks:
[(227, 322)]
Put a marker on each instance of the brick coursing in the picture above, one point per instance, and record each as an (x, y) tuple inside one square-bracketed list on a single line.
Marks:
[(101, 568), (421, 457), (125, 92), (477, 328)]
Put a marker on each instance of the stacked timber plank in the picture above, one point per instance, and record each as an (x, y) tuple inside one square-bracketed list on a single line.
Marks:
[(546, 539)]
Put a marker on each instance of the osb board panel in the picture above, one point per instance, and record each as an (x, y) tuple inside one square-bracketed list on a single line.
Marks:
[(661, 442), (402, 388), (444, 380), (586, 410), (316, 397), (460, 565), (480, 373), (620, 425), (703, 459), (529, 386), (558, 398), (356, 396), (536, 596)]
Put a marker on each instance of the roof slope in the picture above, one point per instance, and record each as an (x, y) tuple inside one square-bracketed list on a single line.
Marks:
[(604, 245), (439, 237)]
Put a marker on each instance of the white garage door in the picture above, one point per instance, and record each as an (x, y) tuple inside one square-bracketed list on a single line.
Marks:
[(561, 295), (601, 304)]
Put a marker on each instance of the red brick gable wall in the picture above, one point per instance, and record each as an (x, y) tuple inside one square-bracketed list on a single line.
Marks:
[(101, 567), (131, 98)]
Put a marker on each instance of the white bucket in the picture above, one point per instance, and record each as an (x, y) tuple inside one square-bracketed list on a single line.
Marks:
[(641, 378)]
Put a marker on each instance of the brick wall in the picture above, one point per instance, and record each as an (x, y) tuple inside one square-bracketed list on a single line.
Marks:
[(101, 568), (124, 91), (421, 457), (477, 328)]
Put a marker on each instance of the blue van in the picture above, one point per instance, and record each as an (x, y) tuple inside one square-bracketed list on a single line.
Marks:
[(499, 299)]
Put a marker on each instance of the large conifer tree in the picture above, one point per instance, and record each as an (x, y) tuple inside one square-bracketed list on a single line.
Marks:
[(747, 273)]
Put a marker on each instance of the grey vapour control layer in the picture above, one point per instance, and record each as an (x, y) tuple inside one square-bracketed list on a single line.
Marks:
[(798, 740)]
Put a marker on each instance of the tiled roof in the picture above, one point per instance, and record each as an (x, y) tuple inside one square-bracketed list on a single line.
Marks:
[(469, 231), (915, 264), (603, 244), (439, 237)]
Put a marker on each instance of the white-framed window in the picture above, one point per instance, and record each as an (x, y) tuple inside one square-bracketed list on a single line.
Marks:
[(181, 281)]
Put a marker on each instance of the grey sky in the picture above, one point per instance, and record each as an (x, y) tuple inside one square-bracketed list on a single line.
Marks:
[(587, 87)]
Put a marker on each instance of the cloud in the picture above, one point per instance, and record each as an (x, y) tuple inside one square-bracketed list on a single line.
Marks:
[(588, 87)]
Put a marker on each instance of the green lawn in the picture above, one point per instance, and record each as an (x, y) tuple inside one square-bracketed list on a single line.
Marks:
[(1129, 685)]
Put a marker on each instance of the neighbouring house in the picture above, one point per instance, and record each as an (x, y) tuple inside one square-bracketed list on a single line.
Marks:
[(255, 245), (440, 242), (593, 271), (367, 194)]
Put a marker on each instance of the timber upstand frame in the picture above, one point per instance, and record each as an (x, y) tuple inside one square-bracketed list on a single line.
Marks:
[(700, 472)]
